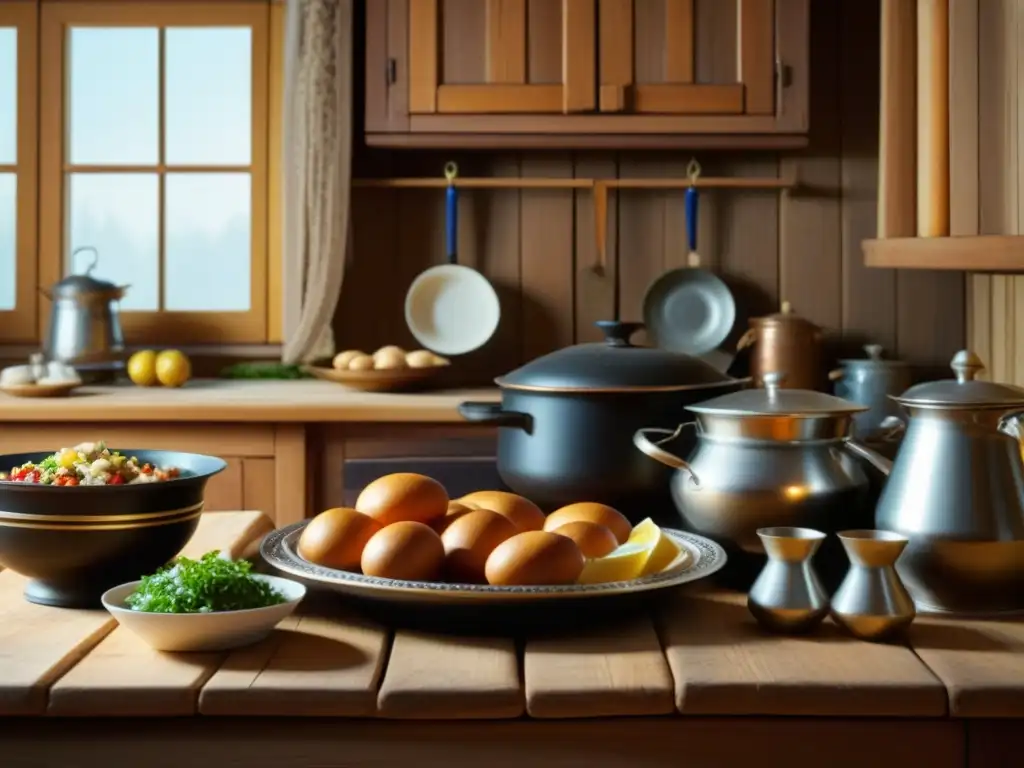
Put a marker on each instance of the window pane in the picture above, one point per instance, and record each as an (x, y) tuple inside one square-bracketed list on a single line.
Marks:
[(116, 213), (8, 95), (113, 94), (208, 258), (8, 240), (209, 95)]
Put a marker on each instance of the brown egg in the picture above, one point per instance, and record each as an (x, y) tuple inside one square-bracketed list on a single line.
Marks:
[(593, 540), (535, 558), (524, 513), (335, 538), (404, 550), (403, 496), (455, 511), (591, 512), (468, 542)]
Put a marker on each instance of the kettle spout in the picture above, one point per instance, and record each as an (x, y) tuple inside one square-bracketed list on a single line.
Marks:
[(1010, 424), (872, 457)]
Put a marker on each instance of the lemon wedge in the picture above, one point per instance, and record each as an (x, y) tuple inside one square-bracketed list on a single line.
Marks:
[(623, 563), (661, 548), (648, 550)]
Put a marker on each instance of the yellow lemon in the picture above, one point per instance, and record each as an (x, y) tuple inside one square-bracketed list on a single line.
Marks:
[(173, 368), (663, 550), (142, 368), (623, 563)]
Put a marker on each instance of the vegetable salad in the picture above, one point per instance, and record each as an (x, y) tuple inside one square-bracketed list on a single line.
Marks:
[(90, 464)]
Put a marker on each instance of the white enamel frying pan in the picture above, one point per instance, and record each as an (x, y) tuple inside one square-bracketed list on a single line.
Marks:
[(452, 309)]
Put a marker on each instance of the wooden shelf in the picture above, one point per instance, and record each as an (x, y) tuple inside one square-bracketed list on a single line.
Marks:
[(986, 253)]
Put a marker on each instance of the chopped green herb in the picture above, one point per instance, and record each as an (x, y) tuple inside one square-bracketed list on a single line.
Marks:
[(211, 583)]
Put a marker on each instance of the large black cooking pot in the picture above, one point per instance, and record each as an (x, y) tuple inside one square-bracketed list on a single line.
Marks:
[(567, 420)]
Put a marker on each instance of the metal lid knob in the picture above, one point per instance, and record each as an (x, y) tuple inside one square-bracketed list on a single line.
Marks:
[(874, 351), (966, 365), (772, 383)]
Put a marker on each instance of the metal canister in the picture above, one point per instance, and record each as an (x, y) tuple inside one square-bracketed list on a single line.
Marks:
[(788, 343), (870, 381)]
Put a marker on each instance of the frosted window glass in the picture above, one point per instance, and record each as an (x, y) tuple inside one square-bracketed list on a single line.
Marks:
[(8, 96), (8, 240)]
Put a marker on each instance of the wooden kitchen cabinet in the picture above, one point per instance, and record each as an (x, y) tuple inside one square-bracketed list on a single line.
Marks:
[(587, 73)]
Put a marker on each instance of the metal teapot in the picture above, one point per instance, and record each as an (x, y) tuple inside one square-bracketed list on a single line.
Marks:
[(956, 491), (85, 325)]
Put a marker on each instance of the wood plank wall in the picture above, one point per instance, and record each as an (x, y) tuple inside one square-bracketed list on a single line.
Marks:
[(537, 246)]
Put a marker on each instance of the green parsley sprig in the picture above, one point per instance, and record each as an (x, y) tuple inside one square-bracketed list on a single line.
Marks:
[(211, 583)]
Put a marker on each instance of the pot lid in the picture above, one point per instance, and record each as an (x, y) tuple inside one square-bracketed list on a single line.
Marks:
[(773, 400), (614, 365), (874, 359), (85, 284), (964, 390), (784, 315)]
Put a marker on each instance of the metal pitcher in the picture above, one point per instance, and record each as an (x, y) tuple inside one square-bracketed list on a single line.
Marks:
[(956, 491), (85, 326), (785, 342)]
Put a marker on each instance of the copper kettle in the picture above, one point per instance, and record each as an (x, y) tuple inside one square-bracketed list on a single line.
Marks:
[(788, 344)]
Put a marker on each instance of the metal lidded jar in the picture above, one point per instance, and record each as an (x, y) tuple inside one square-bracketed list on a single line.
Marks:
[(85, 324), (766, 458), (871, 381), (566, 420), (785, 341)]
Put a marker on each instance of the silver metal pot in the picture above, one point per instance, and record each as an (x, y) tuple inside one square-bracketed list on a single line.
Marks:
[(870, 381), (85, 325), (766, 458), (956, 491)]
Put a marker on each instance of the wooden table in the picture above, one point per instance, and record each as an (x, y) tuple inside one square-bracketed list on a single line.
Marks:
[(696, 685)]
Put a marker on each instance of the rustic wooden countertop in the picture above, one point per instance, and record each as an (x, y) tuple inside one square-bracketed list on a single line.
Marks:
[(701, 656), (243, 401)]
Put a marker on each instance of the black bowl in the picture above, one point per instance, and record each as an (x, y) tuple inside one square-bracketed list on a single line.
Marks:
[(74, 543)]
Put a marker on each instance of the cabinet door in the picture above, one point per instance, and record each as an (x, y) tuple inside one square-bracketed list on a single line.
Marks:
[(688, 57), (502, 56)]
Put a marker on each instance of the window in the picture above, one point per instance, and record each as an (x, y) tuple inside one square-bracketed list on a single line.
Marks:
[(18, 93), (154, 150)]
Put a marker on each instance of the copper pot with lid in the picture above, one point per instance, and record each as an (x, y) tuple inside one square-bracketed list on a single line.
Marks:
[(785, 341), (85, 324)]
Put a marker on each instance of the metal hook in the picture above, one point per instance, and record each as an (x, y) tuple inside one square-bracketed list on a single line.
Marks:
[(95, 257), (451, 172), (693, 171)]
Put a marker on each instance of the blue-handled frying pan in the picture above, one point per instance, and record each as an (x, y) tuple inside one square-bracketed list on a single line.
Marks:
[(689, 310), (452, 309)]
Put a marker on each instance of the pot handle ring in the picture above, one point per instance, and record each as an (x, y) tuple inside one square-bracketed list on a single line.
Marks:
[(493, 415), (653, 448)]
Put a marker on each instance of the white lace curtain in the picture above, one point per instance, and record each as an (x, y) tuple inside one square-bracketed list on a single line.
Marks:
[(317, 139)]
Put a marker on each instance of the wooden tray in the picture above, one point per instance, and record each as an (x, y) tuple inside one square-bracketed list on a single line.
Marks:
[(376, 381), (40, 390), (482, 607)]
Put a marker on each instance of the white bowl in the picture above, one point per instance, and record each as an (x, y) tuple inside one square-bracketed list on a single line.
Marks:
[(219, 631)]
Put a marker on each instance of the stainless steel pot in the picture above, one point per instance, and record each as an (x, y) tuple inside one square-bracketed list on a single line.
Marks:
[(85, 326), (956, 491), (870, 381), (766, 458)]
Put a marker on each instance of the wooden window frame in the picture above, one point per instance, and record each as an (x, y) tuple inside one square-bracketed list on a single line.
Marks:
[(19, 324), (257, 325)]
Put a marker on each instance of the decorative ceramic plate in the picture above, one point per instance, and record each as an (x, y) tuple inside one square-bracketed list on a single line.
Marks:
[(375, 381), (41, 390), (700, 558)]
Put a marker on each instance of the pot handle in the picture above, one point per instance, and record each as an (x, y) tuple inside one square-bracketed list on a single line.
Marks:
[(493, 415), (836, 374), (653, 448), (747, 339)]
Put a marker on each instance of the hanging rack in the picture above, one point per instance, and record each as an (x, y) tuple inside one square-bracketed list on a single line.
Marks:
[(600, 188)]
